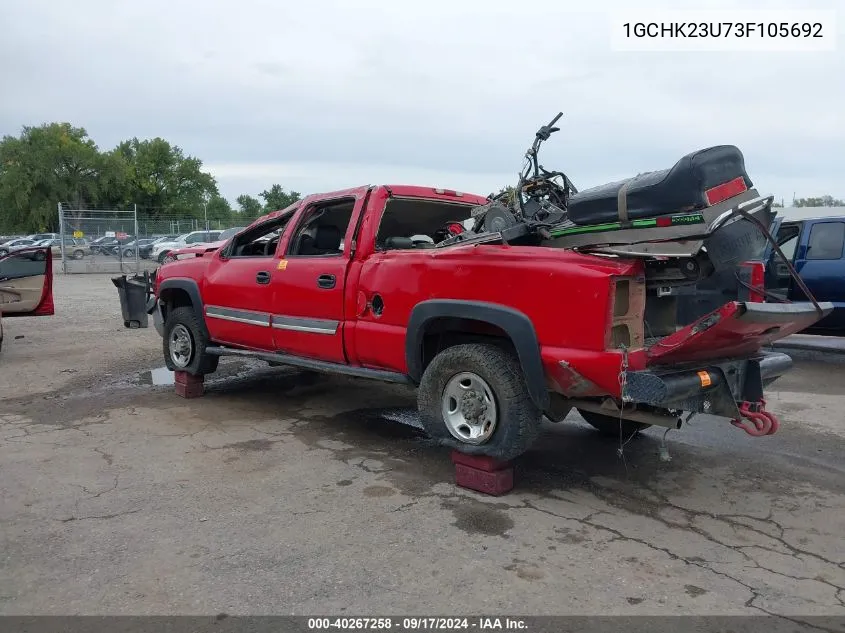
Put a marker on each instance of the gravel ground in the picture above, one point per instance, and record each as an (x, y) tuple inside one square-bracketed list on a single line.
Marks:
[(281, 492)]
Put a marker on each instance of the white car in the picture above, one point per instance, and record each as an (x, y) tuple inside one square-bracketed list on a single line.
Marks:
[(161, 250), (11, 245)]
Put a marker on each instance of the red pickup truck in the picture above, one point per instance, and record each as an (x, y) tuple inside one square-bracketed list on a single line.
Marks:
[(494, 336)]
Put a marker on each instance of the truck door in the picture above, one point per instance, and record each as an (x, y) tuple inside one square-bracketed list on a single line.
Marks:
[(778, 280), (820, 263), (238, 289), (310, 278)]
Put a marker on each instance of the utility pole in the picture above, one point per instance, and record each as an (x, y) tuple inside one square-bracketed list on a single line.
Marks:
[(205, 212)]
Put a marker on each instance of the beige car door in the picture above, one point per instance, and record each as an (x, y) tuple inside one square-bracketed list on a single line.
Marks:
[(26, 283)]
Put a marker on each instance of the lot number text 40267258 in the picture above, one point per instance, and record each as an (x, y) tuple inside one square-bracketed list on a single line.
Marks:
[(418, 624)]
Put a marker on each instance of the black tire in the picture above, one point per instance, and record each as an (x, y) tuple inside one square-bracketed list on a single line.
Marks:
[(40, 256), (200, 362), (162, 255), (3, 252), (609, 425), (518, 418), (78, 254)]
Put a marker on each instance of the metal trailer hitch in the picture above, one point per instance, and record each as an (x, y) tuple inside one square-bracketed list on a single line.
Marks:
[(760, 421)]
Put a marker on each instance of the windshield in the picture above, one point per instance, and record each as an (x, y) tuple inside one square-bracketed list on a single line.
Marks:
[(181, 238)]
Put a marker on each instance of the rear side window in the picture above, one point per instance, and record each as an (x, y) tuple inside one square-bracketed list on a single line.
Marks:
[(827, 240)]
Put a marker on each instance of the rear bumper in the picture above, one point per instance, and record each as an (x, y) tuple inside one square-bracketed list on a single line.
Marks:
[(713, 388)]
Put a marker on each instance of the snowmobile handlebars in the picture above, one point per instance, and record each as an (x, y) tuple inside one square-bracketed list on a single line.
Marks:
[(536, 182), (543, 134)]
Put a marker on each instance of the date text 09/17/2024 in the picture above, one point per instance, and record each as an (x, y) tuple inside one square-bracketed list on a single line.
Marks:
[(418, 623)]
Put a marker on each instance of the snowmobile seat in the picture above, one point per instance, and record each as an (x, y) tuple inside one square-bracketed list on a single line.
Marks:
[(698, 180)]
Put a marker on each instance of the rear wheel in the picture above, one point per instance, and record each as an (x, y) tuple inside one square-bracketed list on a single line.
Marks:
[(184, 343), (78, 254), (128, 253), (611, 426), (3, 252), (473, 398)]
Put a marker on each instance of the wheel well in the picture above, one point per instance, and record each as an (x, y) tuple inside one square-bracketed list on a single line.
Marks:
[(443, 332), (172, 298)]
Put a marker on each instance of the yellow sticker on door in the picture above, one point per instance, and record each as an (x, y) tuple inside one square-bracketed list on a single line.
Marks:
[(283, 263)]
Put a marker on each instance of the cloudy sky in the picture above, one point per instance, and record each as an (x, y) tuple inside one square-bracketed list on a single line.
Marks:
[(329, 94)]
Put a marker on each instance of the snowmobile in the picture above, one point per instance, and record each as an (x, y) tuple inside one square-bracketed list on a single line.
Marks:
[(700, 216)]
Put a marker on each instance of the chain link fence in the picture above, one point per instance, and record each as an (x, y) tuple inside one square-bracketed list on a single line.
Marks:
[(120, 241)]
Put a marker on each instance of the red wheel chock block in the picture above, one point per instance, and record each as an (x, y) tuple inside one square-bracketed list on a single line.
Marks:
[(482, 474), (189, 386)]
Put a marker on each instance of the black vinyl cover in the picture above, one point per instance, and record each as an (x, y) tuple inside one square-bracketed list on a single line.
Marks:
[(656, 193)]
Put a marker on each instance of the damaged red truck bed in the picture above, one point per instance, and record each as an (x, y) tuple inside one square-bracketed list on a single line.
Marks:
[(493, 336)]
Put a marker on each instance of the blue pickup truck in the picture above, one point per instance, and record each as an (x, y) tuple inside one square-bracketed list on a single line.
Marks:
[(813, 239), (816, 247)]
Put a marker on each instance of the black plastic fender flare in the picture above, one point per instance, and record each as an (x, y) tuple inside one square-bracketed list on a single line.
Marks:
[(192, 289), (513, 322)]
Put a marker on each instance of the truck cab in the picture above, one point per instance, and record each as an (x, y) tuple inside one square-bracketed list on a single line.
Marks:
[(816, 248)]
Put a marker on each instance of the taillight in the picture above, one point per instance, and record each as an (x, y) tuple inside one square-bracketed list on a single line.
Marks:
[(752, 277), (627, 304), (726, 190)]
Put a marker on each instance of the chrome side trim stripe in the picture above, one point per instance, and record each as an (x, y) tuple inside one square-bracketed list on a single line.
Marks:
[(297, 324), (278, 321), (239, 316)]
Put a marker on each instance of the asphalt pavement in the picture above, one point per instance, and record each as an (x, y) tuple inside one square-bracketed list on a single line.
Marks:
[(281, 492)]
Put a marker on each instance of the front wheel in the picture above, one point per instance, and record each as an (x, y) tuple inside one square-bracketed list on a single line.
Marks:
[(128, 253), (473, 398), (611, 426), (185, 341), (78, 254), (3, 252)]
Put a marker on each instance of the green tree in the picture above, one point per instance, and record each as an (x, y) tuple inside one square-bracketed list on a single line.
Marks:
[(821, 201), (218, 209), (45, 165), (248, 206), (509, 192), (161, 179), (277, 198)]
